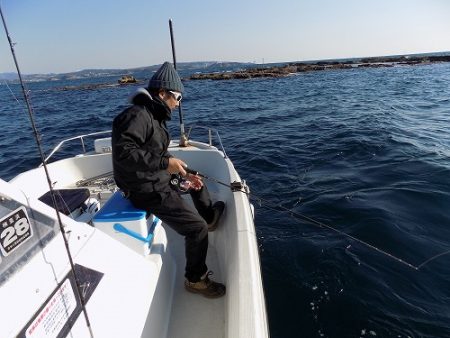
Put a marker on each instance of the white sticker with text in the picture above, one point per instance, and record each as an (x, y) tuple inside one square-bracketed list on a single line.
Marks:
[(52, 318), (15, 229)]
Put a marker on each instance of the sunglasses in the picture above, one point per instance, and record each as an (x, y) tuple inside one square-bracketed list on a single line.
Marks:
[(176, 96)]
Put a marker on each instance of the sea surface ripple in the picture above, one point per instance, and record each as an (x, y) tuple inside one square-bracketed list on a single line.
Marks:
[(366, 151)]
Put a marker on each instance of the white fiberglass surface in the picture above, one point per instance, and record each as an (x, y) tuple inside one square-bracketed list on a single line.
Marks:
[(194, 316)]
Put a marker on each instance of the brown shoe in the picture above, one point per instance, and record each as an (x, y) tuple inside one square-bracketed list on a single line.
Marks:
[(218, 208), (206, 287)]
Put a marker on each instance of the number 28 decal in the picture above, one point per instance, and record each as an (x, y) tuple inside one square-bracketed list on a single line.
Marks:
[(15, 229)]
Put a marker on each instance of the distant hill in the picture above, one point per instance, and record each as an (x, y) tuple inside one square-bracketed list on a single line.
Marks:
[(186, 69), (8, 76), (183, 68)]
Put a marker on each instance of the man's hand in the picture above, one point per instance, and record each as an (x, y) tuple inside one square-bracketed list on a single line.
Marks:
[(195, 181), (176, 166)]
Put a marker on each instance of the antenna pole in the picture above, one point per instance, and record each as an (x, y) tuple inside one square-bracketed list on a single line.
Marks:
[(183, 137)]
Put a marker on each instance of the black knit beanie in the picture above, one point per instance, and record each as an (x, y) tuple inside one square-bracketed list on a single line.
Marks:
[(166, 77)]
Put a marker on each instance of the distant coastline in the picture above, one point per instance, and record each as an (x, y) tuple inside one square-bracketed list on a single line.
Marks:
[(118, 73), (217, 70), (299, 67)]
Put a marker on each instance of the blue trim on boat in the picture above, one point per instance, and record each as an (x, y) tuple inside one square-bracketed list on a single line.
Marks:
[(120, 228)]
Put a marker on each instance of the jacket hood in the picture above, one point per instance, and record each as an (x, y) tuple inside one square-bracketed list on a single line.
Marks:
[(140, 96), (155, 105)]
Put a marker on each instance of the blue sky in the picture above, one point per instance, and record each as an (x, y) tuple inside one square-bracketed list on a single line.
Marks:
[(69, 35)]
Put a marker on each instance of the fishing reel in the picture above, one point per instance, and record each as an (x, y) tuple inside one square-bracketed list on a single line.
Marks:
[(180, 183), (183, 184)]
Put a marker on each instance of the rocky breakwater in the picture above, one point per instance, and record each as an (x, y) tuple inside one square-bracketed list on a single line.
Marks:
[(246, 73), (276, 71), (299, 67)]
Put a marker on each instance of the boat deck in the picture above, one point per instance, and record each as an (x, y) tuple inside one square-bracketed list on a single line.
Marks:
[(192, 315)]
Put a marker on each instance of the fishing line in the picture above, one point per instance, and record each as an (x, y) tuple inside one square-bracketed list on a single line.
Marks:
[(241, 187), (14, 96), (52, 192)]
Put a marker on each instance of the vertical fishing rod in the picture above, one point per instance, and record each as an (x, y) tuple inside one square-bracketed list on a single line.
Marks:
[(183, 138), (52, 192)]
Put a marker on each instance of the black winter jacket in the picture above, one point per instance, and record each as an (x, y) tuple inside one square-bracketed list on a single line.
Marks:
[(140, 139)]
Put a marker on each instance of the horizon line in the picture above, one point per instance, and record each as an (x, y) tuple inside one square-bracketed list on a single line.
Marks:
[(228, 61)]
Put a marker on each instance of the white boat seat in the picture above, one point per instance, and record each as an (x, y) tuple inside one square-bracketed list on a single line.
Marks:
[(126, 223), (67, 200)]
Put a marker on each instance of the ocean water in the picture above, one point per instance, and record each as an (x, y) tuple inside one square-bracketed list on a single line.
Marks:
[(366, 151)]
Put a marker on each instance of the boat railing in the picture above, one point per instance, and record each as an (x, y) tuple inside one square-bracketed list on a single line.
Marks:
[(82, 142), (211, 132), (210, 136)]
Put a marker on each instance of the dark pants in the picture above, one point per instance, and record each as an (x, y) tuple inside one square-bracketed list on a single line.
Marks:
[(189, 221)]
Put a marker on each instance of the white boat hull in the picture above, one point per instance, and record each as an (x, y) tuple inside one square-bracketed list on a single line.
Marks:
[(139, 295)]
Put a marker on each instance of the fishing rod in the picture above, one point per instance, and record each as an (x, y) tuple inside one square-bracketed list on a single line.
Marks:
[(183, 137), (47, 175), (241, 187)]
